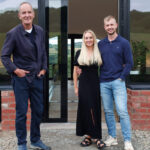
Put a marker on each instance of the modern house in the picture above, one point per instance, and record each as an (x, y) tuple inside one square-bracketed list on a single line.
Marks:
[(64, 21)]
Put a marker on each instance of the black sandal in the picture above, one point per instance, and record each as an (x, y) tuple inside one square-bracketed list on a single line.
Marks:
[(86, 142), (100, 144)]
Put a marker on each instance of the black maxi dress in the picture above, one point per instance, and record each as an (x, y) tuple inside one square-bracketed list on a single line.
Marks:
[(89, 105)]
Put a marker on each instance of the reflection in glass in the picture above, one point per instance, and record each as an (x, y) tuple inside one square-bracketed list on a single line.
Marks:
[(78, 43), (140, 37), (54, 58), (8, 20), (69, 58), (54, 82)]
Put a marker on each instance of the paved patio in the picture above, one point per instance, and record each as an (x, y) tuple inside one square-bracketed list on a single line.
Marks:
[(61, 136)]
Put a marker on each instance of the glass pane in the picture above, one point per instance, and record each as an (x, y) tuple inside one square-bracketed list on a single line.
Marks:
[(54, 58), (78, 43), (69, 58), (72, 98), (140, 38), (8, 20)]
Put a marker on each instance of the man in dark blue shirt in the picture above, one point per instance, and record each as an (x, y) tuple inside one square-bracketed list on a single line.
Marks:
[(117, 62), (26, 43)]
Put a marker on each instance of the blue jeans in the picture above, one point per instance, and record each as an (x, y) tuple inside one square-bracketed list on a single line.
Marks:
[(115, 92), (23, 91)]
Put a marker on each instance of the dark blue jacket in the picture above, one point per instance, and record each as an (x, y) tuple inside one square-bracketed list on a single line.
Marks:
[(19, 45), (117, 59)]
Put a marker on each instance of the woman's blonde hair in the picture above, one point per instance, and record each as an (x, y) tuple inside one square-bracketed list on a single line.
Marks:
[(83, 57)]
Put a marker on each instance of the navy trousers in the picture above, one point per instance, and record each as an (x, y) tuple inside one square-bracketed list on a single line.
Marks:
[(23, 91)]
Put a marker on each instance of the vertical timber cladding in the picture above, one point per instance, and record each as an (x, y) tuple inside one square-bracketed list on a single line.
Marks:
[(87, 14)]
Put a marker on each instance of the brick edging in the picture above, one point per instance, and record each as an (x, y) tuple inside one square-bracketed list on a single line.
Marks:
[(139, 109), (8, 111)]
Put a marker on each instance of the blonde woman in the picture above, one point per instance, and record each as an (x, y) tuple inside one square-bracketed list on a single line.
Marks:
[(88, 59)]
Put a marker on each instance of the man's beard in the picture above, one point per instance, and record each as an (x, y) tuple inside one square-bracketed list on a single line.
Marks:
[(111, 33)]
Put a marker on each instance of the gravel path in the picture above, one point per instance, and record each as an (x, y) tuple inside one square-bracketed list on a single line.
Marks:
[(65, 139)]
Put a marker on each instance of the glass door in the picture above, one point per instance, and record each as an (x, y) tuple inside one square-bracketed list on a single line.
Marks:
[(63, 19), (57, 99)]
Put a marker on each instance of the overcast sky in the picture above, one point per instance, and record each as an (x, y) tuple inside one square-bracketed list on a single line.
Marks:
[(14, 4), (140, 5)]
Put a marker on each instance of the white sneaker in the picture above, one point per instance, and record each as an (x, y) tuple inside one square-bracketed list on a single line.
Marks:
[(128, 145), (111, 141)]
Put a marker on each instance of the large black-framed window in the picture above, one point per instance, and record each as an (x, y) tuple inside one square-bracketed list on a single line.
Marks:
[(134, 26), (140, 41), (8, 20), (53, 18), (45, 16)]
